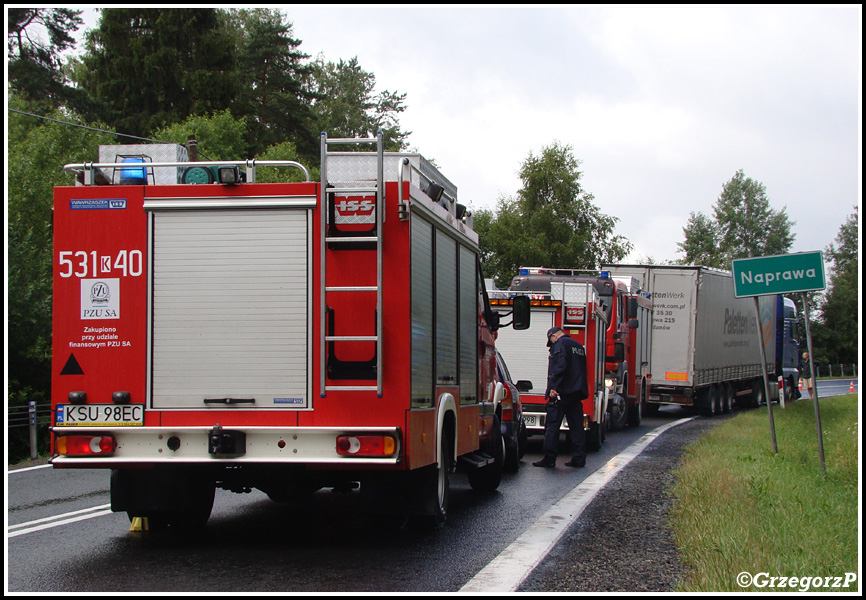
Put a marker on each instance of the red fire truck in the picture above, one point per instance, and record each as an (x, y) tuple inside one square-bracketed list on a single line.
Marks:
[(610, 317), (210, 331)]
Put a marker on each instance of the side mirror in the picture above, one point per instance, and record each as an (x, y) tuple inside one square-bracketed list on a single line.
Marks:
[(631, 308), (523, 385), (521, 313), (633, 323)]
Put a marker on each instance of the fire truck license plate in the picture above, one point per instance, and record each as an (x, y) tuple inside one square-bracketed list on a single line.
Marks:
[(90, 415)]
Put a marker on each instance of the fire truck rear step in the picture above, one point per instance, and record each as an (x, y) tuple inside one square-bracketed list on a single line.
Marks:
[(476, 460)]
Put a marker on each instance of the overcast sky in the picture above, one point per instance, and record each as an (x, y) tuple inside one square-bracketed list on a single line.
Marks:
[(662, 105)]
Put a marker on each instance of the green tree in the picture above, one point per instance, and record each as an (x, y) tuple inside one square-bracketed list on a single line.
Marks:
[(347, 106), (219, 136), (34, 63), (285, 151), (274, 93), (700, 245), (836, 331), (151, 67), (39, 152), (743, 224), (552, 221)]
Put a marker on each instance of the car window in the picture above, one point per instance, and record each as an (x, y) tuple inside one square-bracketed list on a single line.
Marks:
[(503, 370)]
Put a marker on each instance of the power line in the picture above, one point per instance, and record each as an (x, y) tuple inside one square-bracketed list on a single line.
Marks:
[(21, 112)]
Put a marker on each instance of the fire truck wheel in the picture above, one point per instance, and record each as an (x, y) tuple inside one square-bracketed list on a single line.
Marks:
[(488, 477), (435, 488), (594, 437), (618, 412), (194, 516), (197, 513), (636, 411)]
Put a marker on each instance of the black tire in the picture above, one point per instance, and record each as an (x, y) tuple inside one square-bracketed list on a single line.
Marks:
[(191, 518), (758, 396), (512, 451), (727, 397), (636, 411), (596, 435), (523, 438), (710, 395), (433, 489), (618, 412)]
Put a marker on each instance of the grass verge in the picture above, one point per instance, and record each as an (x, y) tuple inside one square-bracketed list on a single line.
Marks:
[(741, 508)]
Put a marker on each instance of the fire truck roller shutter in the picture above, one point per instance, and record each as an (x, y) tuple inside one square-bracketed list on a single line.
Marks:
[(422, 313), (231, 305)]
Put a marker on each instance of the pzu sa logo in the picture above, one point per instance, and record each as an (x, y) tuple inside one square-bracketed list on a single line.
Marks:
[(100, 294)]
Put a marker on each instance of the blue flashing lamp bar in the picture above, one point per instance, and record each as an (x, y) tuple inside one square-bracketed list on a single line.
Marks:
[(133, 176)]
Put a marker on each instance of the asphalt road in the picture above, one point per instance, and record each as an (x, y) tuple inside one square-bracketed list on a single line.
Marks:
[(62, 537)]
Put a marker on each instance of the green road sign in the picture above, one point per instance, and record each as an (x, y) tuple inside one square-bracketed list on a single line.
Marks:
[(781, 274)]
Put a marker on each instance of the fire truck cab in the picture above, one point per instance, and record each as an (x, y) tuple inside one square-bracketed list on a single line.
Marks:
[(214, 332), (608, 318)]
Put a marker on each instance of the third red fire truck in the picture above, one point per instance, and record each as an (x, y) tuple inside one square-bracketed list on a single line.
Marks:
[(610, 317), (213, 332)]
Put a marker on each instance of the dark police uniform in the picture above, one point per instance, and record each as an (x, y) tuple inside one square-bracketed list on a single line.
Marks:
[(566, 373)]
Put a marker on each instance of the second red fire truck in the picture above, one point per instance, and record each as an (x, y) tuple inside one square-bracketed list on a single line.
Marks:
[(611, 317)]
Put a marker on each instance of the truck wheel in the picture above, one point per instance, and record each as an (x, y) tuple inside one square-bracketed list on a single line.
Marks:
[(595, 436), (727, 397), (758, 393), (433, 489), (194, 516), (636, 410), (711, 400), (197, 513), (790, 390), (618, 412), (487, 478)]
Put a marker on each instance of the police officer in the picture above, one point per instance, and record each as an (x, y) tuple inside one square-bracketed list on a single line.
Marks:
[(566, 388)]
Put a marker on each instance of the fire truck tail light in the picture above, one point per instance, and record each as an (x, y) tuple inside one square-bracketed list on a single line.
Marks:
[(366, 445), (86, 445)]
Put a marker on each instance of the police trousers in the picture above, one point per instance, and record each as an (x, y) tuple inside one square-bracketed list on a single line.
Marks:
[(571, 408)]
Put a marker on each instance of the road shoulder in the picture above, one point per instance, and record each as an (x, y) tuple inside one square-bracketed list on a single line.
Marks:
[(622, 542)]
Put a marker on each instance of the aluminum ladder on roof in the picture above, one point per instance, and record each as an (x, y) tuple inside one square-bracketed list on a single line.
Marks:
[(358, 187)]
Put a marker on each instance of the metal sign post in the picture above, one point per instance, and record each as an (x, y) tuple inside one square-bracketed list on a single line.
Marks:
[(766, 380), (783, 274), (814, 385)]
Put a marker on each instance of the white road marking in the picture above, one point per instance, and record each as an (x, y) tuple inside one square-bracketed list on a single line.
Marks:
[(25, 469), (57, 520), (507, 571)]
